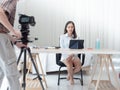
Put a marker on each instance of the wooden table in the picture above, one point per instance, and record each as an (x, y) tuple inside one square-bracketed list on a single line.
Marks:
[(103, 54)]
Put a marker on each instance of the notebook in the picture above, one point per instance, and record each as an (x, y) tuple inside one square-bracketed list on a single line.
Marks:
[(76, 44)]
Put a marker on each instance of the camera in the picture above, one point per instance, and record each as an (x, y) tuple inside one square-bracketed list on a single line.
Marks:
[(25, 21)]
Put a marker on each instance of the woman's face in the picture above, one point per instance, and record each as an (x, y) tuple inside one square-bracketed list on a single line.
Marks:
[(70, 28)]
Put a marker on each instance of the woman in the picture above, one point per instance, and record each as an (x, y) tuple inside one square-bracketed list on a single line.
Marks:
[(69, 60)]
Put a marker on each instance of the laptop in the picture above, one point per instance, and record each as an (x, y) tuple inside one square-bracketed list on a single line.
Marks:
[(76, 44)]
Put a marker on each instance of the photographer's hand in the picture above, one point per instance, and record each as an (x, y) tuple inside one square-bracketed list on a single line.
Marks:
[(16, 34), (4, 21), (20, 44)]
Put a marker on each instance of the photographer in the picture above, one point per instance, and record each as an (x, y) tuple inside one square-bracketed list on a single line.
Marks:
[(8, 65)]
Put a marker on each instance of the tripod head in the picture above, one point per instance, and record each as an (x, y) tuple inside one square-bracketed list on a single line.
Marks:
[(25, 21)]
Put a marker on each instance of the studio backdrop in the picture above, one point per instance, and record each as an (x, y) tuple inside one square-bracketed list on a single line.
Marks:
[(93, 19)]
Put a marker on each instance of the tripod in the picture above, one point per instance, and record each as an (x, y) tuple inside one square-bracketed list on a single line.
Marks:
[(24, 50)]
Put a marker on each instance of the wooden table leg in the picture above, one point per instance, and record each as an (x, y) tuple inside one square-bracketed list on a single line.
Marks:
[(104, 60), (42, 70), (115, 75), (35, 57), (107, 67), (92, 76), (100, 73)]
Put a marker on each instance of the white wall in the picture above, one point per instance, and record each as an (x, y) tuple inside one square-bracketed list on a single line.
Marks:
[(93, 18)]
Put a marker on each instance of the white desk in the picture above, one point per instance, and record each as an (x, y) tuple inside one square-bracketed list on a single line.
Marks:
[(76, 51), (104, 54)]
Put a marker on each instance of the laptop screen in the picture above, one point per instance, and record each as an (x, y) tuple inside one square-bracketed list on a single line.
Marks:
[(76, 44)]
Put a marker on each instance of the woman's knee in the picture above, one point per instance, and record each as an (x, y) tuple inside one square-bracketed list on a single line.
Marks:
[(77, 60), (68, 61), (77, 69)]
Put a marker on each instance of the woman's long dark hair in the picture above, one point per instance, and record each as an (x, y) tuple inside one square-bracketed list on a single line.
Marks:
[(74, 32)]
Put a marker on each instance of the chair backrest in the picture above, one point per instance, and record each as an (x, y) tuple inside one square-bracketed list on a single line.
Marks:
[(58, 58)]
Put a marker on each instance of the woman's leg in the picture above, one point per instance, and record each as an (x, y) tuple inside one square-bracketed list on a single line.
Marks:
[(69, 66), (77, 65)]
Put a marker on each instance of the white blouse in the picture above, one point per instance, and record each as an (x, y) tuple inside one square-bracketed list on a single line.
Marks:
[(64, 43)]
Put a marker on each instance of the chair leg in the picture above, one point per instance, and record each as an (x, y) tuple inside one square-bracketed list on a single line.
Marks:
[(59, 72), (81, 72), (59, 76)]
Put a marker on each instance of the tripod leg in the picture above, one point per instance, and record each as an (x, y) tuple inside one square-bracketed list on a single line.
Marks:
[(24, 68), (35, 68), (24, 71), (20, 56)]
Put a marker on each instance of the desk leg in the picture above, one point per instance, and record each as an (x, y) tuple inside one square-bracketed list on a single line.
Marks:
[(107, 67), (35, 56), (105, 59), (29, 66), (92, 76), (42, 70), (116, 79), (100, 73)]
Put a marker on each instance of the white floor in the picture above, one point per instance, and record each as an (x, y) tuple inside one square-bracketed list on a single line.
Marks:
[(64, 84)]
